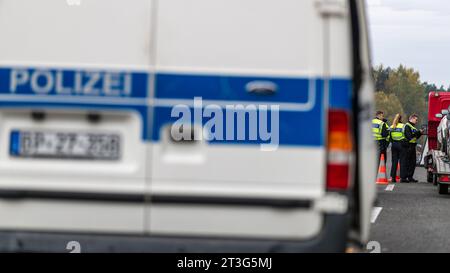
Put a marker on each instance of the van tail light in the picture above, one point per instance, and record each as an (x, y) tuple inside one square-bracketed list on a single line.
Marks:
[(339, 151), (444, 178)]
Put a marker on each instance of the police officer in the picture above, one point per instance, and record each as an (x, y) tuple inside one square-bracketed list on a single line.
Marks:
[(412, 134), (398, 139), (380, 131)]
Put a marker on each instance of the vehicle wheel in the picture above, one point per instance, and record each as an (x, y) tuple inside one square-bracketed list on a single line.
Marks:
[(443, 189), (430, 177)]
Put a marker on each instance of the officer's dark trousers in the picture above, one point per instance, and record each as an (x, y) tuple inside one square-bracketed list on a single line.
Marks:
[(411, 160), (404, 163), (382, 150), (397, 151)]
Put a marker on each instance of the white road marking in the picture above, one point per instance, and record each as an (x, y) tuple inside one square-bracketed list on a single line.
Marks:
[(375, 213), (390, 188)]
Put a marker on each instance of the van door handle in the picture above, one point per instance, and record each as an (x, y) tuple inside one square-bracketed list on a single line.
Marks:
[(262, 87)]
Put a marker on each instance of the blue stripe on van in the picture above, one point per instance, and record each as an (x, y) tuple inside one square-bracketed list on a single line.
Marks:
[(341, 94), (297, 128), (230, 88), (294, 128)]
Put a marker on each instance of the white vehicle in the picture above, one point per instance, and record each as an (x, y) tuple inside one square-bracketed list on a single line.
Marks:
[(88, 150), (442, 134)]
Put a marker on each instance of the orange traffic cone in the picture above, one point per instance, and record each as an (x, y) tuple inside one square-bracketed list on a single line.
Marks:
[(398, 173), (382, 176)]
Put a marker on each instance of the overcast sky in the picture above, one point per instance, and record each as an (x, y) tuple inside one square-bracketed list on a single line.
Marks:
[(415, 33)]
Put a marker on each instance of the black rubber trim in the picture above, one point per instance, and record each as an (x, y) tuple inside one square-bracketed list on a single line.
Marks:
[(154, 199), (258, 202), (71, 196), (357, 84)]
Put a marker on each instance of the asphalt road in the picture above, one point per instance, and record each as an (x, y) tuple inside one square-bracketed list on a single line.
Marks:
[(412, 218)]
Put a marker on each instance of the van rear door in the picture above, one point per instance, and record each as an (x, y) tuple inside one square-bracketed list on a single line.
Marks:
[(66, 70), (254, 53)]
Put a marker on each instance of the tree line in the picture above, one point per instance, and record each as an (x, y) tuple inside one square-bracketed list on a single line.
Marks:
[(400, 90)]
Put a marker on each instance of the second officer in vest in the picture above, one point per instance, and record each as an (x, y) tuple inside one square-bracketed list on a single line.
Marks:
[(399, 146), (412, 134)]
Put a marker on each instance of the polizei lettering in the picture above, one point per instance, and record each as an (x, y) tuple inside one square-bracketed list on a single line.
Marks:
[(72, 83)]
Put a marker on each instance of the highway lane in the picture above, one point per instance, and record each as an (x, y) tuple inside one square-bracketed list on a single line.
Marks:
[(412, 218)]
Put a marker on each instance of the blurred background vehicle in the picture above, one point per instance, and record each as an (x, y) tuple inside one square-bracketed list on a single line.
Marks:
[(437, 161)]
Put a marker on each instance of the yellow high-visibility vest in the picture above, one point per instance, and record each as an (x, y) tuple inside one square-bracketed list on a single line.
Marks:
[(377, 129), (414, 131), (398, 133)]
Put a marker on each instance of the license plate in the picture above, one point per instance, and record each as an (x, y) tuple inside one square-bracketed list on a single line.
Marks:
[(65, 145)]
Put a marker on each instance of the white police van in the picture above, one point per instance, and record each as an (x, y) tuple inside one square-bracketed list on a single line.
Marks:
[(90, 91)]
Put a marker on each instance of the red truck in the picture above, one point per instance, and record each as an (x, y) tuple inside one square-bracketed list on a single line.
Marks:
[(437, 161)]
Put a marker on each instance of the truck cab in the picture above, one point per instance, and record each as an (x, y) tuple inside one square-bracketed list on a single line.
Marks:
[(437, 160)]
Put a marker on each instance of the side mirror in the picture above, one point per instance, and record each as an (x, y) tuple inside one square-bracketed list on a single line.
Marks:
[(439, 115)]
